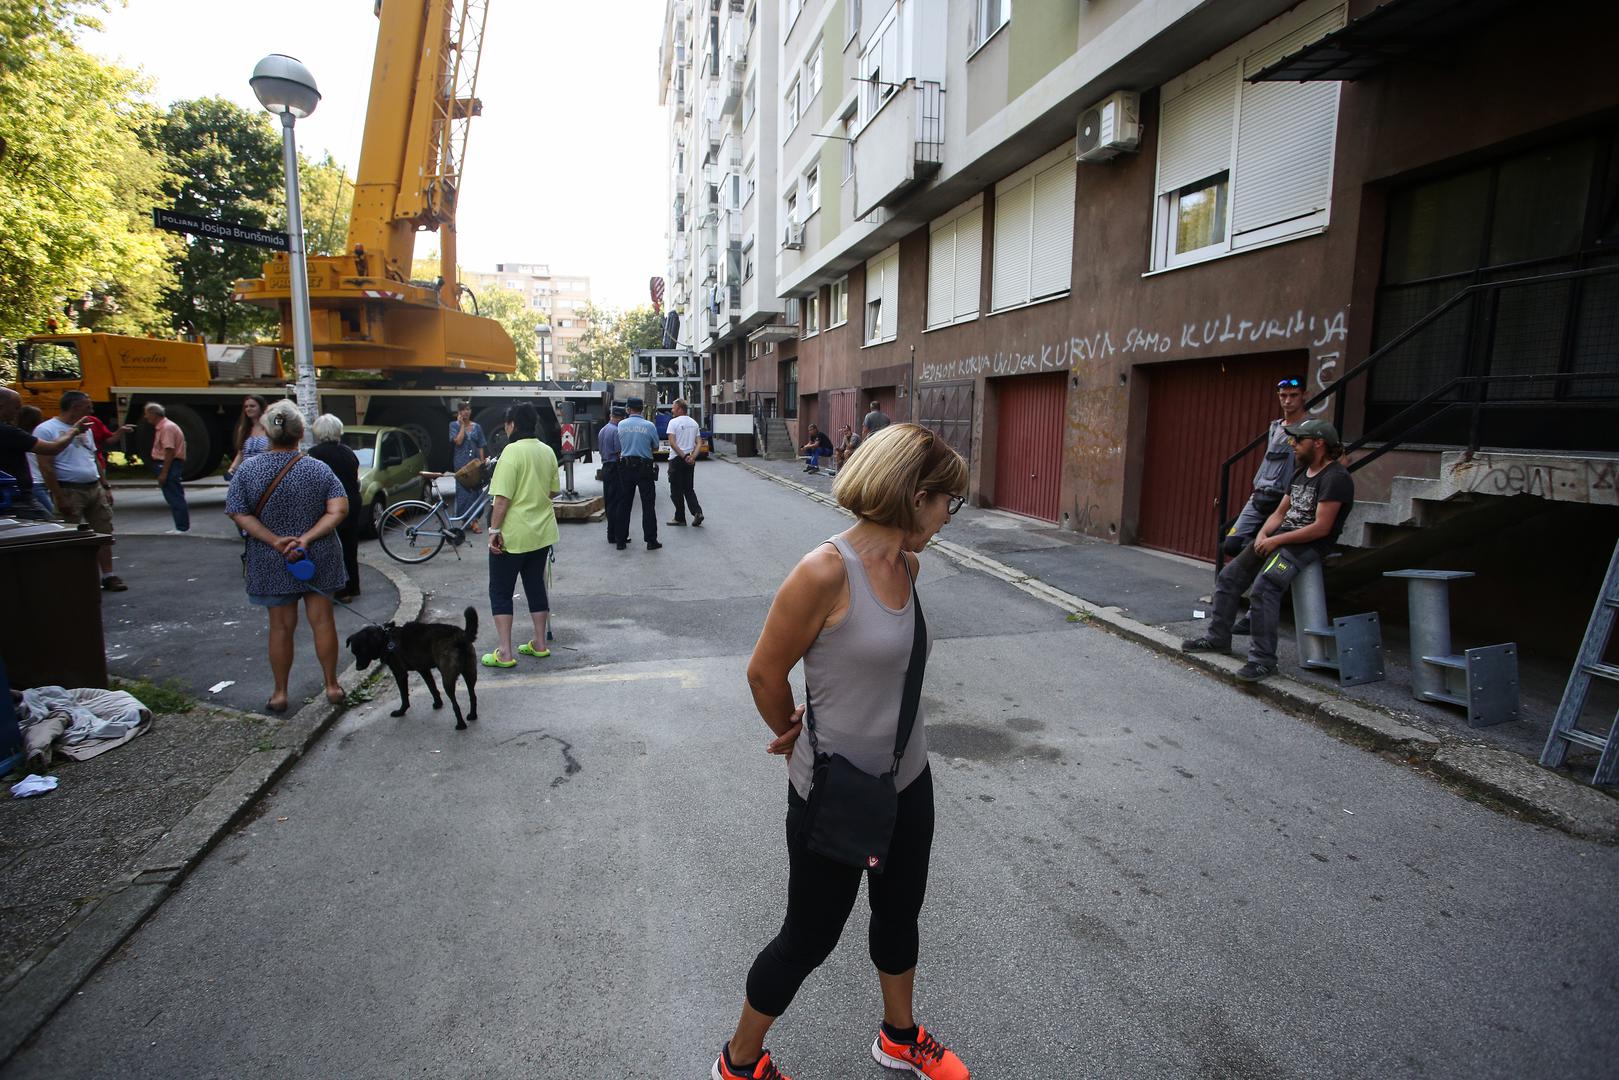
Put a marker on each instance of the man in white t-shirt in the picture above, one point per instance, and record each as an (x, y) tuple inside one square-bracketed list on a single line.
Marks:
[(683, 436), (77, 484)]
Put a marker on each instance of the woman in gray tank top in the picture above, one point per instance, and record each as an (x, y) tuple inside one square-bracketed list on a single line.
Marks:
[(848, 610)]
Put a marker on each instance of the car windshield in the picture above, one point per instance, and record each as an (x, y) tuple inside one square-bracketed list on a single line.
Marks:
[(364, 445)]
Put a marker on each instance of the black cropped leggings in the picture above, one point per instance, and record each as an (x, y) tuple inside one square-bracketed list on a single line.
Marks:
[(821, 893)]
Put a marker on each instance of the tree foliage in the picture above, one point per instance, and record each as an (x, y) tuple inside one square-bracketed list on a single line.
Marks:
[(510, 309), (78, 170), (611, 335), (226, 163), (326, 192)]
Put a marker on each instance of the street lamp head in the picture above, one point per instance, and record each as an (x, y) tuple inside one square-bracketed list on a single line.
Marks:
[(283, 85)]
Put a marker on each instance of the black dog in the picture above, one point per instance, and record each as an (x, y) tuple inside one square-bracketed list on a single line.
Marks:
[(421, 647)]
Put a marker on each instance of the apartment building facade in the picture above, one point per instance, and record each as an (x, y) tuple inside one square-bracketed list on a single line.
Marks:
[(716, 59), (1083, 241), (561, 298)]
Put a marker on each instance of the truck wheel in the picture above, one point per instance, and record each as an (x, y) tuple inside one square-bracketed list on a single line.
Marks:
[(428, 428), (202, 452), (493, 421)]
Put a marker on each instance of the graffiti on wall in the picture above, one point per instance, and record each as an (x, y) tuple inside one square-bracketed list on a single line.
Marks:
[(1322, 334)]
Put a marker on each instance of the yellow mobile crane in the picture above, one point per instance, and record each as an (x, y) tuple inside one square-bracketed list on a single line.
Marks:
[(365, 311), (424, 354)]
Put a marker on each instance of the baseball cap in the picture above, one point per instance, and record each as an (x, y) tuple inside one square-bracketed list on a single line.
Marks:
[(634, 404), (619, 410), (1315, 429)]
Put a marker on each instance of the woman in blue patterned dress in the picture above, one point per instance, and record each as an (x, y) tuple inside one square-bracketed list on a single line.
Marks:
[(303, 512)]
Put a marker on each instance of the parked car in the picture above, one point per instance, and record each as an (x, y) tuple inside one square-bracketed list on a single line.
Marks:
[(390, 461)]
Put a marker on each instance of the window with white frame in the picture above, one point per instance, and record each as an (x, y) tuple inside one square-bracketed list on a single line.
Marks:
[(751, 170), (789, 15), (811, 187), (837, 303), (988, 17), (747, 258), (750, 100), (812, 314), (846, 130), (955, 256), (789, 113), (1242, 164), (1034, 231), (812, 73), (851, 20), (882, 297), (790, 205), (879, 66)]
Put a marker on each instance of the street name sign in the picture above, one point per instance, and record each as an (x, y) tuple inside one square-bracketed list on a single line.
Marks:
[(174, 221)]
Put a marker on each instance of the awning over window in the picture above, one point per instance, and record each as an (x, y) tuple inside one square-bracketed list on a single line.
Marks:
[(1385, 33)]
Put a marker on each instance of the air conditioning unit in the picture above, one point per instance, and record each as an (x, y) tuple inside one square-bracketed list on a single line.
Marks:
[(1110, 127), (736, 386), (793, 239)]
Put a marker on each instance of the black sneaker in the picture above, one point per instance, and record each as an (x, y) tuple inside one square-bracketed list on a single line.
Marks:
[(676, 521), (1241, 626), (622, 545), (1205, 644), (1252, 672), (698, 521), (653, 545)]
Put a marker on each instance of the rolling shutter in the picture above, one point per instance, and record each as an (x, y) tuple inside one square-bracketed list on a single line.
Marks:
[(1196, 139), (1010, 284), (1052, 250), (1284, 139), (941, 274), (969, 260), (891, 295)]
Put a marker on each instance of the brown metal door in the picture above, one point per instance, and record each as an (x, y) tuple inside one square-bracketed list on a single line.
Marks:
[(1028, 444), (1198, 414), (840, 406), (947, 411)]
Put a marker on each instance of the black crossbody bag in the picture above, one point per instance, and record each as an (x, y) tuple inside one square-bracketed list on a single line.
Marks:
[(851, 813)]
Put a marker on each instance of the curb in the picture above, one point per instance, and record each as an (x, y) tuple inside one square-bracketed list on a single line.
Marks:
[(1547, 797), (99, 929)]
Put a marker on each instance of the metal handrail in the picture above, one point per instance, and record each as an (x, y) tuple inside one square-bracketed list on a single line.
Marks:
[(1222, 503)]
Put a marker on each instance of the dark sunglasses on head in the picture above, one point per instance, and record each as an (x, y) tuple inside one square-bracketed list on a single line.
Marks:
[(1289, 384)]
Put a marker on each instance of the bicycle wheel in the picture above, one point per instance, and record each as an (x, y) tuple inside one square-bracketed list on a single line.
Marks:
[(411, 532)]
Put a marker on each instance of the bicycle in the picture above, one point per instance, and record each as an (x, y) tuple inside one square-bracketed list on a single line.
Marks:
[(415, 530)]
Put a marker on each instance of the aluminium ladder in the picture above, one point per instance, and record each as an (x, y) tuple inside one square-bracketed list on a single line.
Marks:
[(1588, 665)]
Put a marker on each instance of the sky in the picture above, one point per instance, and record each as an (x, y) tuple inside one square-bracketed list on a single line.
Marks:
[(566, 166)]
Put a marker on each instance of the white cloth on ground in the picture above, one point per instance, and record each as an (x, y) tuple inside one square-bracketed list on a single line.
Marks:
[(82, 723)]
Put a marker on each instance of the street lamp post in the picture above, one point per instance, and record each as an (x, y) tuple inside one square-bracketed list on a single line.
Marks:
[(286, 88), (542, 335)]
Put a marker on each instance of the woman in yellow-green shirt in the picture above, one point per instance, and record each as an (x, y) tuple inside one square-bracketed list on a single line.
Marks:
[(523, 527)]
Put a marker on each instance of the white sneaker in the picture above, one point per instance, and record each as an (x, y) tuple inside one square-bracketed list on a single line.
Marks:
[(176, 532)]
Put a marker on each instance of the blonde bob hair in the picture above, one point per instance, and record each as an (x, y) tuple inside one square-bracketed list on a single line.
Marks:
[(880, 481)]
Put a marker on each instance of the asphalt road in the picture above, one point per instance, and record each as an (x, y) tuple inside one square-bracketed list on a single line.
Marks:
[(1138, 871)]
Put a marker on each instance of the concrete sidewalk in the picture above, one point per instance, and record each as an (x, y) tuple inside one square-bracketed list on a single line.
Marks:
[(1151, 597), (86, 864)]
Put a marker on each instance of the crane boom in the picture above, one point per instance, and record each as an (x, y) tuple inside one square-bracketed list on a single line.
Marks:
[(367, 312)]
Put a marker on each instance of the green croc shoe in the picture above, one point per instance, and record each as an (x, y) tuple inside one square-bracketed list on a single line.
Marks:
[(492, 659), (527, 649)]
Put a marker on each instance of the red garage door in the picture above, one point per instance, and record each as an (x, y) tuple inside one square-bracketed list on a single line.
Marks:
[(1028, 444), (1198, 414)]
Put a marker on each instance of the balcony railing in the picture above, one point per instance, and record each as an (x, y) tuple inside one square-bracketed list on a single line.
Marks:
[(901, 146)]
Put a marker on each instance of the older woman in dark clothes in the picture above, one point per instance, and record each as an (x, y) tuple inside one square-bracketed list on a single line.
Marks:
[(329, 447)]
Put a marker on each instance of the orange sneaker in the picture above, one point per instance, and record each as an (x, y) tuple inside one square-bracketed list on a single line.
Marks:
[(762, 1069), (926, 1057)]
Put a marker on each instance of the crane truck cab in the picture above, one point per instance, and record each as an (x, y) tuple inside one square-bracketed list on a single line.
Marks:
[(200, 386)]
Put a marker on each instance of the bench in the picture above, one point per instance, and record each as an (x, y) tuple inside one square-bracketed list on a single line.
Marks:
[(1483, 681), (1350, 645)]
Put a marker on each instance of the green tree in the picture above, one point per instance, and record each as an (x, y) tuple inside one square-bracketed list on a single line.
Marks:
[(509, 308), (78, 170), (226, 162), (327, 193), (603, 350)]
